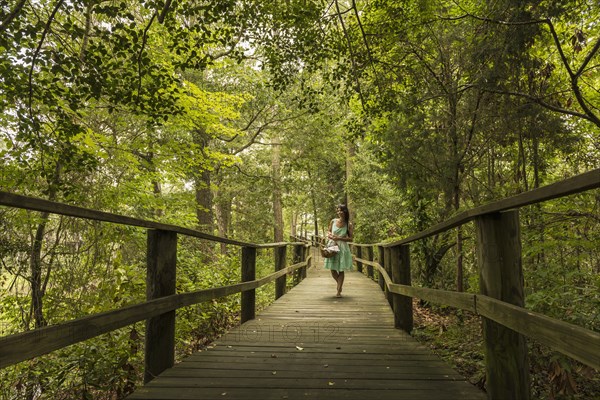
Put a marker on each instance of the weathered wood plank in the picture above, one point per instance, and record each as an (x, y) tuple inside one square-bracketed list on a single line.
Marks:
[(329, 393)]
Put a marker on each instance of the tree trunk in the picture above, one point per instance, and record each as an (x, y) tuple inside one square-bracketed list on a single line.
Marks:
[(35, 264), (293, 225), (277, 203), (313, 199), (204, 200), (350, 154), (223, 214), (37, 283)]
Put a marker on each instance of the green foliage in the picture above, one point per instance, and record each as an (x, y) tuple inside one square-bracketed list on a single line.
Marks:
[(412, 111)]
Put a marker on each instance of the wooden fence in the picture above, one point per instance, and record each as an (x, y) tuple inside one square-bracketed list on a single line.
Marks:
[(501, 299), (162, 301)]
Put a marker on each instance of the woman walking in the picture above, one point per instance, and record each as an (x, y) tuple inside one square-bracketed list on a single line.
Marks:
[(340, 231)]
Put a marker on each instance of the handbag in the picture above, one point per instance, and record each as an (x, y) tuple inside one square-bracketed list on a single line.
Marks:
[(330, 249)]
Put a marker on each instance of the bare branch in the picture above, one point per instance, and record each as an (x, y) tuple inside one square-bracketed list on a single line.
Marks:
[(352, 56), (588, 58), (541, 102)]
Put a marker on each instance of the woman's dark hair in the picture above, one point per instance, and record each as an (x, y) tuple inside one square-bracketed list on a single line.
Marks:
[(346, 212)]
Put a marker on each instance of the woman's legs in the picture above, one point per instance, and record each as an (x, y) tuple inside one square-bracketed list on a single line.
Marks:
[(340, 283), (339, 278), (335, 274)]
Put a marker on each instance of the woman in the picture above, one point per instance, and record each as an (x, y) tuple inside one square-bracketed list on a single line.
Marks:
[(340, 231)]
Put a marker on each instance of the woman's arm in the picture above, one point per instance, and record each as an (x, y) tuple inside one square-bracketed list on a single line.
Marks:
[(329, 231)]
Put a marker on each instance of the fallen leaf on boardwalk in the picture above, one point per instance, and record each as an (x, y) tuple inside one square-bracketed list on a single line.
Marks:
[(223, 394), (331, 383), (326, 365), (274, 373), (273, 355), (299, 348)]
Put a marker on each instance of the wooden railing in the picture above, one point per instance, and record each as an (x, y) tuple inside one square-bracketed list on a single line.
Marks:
[(501, 299), (162, 301)]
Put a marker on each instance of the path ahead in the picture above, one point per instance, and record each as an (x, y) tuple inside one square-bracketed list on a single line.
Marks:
[(311, 345)]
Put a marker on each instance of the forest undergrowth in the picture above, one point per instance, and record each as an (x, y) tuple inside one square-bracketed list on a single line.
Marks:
[(456, 336)]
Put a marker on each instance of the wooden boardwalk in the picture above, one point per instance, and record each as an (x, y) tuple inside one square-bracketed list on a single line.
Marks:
[(311, 345)]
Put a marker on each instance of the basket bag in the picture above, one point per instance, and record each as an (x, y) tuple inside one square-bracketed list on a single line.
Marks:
[(330, 249)]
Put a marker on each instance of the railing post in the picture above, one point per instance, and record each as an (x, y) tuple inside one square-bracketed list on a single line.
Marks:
[(297, 257), (388, 268), (248, 305), (304, 254), (381, 260), (160, 281), (280, 260), (403, 307), (359, 265), (501, 277), (370, 258)]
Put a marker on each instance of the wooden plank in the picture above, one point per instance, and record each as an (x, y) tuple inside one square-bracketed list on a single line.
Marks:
[(346, 365), (408, 373), (329, 393), (275, 382)]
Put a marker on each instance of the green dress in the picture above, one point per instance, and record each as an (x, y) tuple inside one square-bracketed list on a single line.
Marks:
[(342, 261)]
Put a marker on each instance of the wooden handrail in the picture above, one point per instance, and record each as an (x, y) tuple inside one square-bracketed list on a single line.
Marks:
[(24, 346), (571, 340), (576, 184), (501, 301), (158, 311), (36, 204), (52, 207)]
